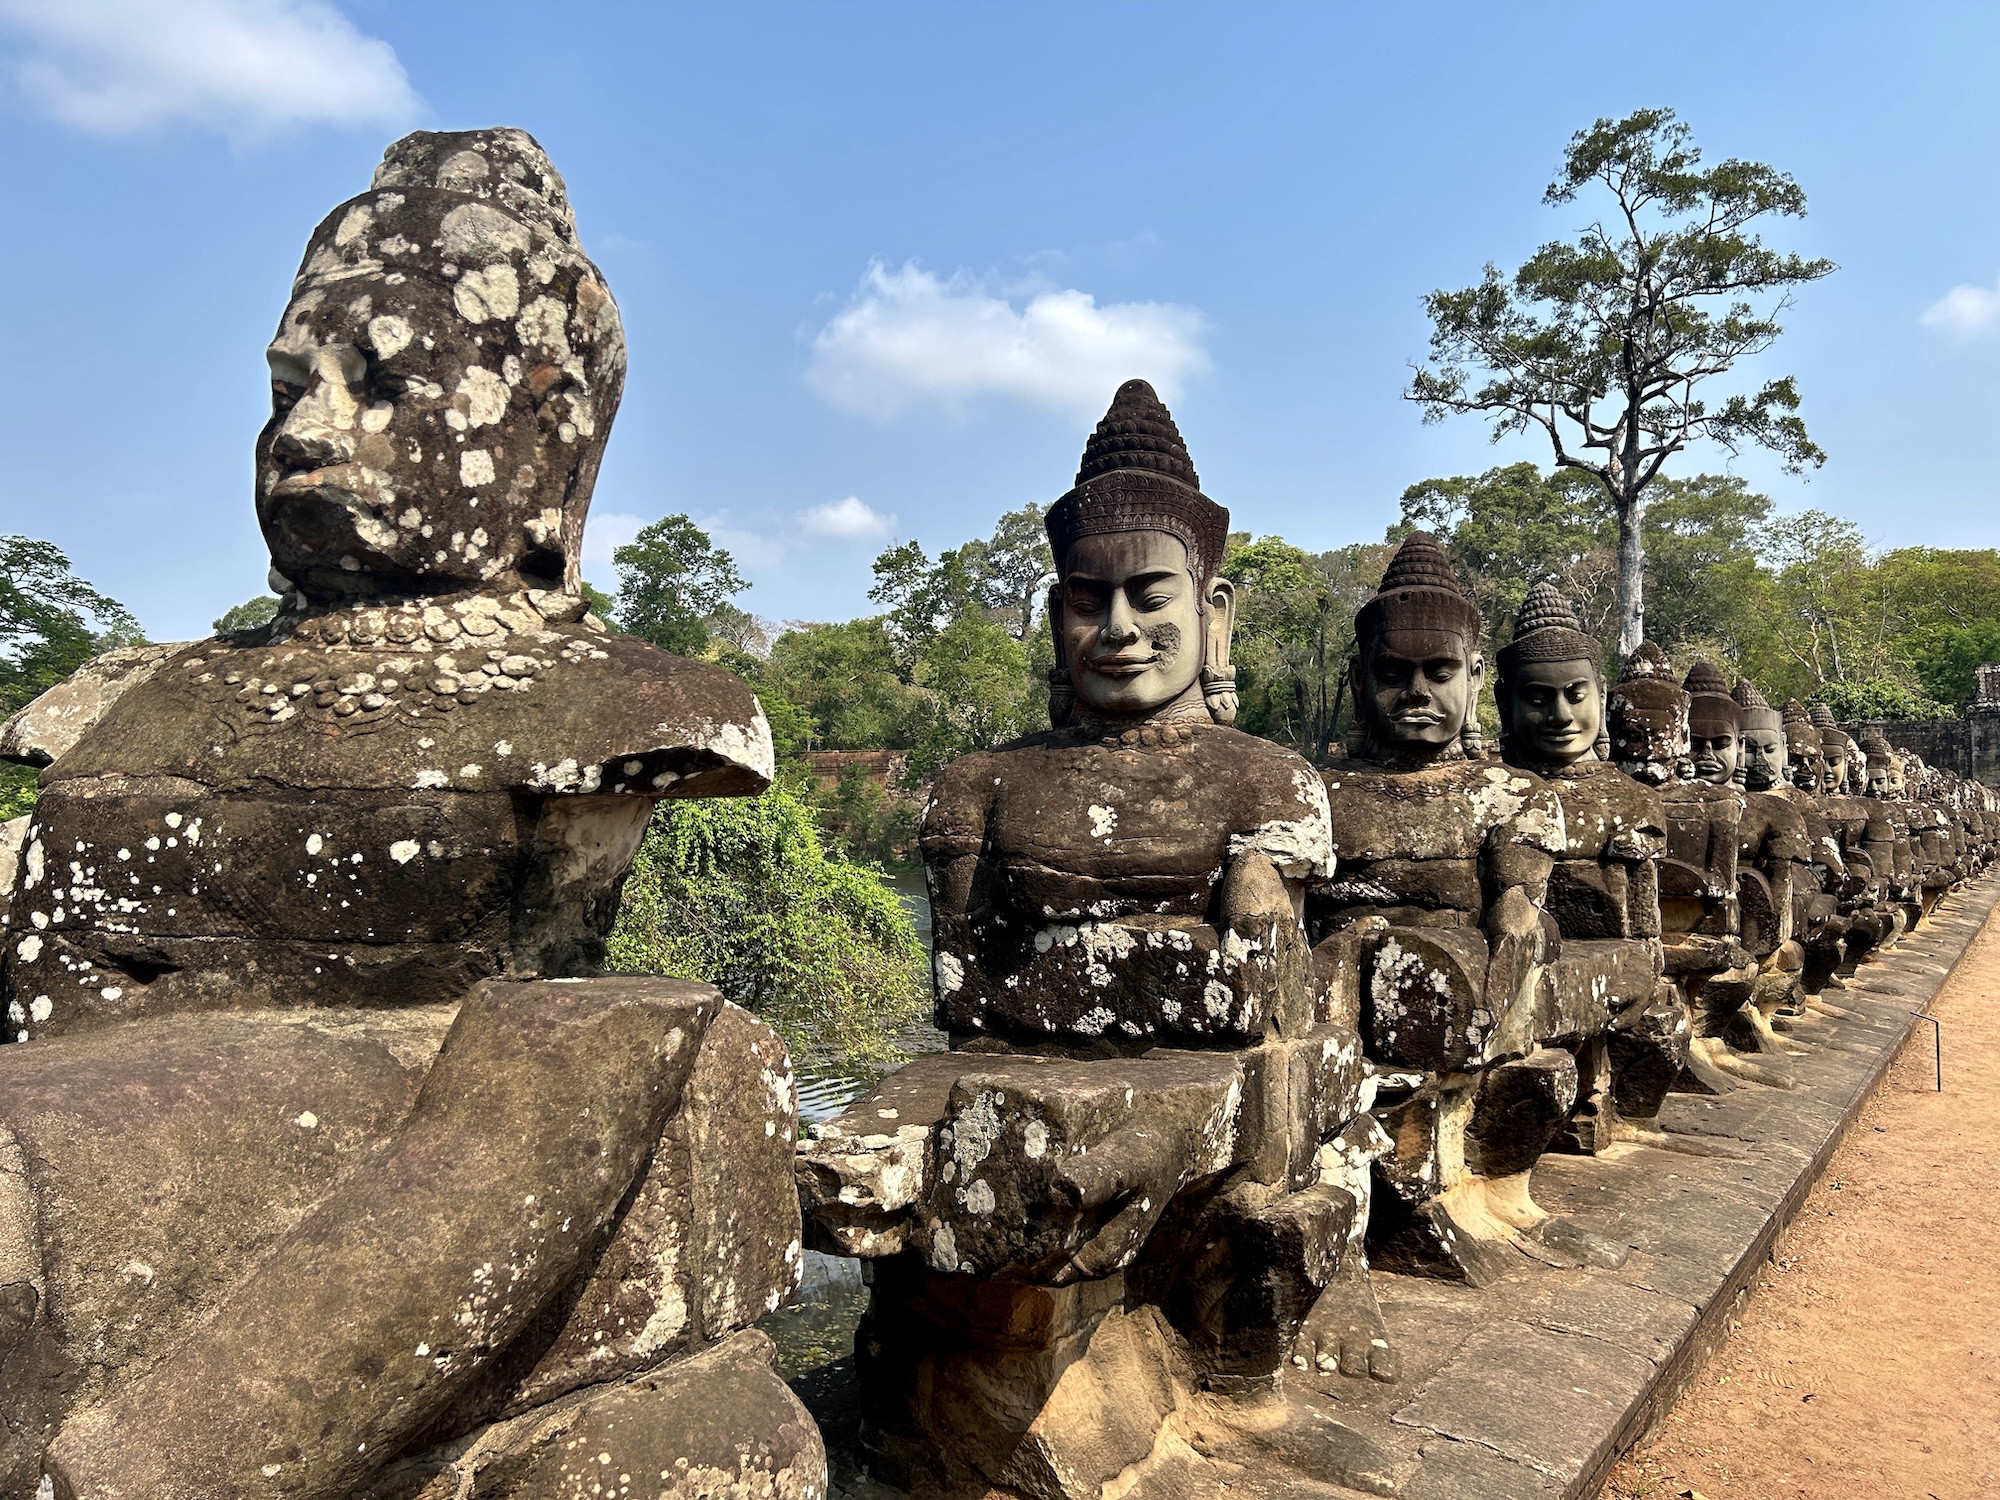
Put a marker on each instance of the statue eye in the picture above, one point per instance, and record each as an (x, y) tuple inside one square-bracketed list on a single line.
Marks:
[(285, 396)]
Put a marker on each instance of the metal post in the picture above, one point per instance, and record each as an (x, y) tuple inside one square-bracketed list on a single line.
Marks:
[(1937, 1035)]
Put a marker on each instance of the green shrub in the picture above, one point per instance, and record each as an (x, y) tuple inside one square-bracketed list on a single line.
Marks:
[(744, 894)]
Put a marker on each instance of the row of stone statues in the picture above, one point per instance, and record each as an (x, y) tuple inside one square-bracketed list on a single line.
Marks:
[(331, 1166), (1228, 1029)]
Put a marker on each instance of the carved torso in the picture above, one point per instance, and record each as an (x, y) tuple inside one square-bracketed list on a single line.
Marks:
[(1074, 879), (376, 806), (1430, 847), (1606, 883)]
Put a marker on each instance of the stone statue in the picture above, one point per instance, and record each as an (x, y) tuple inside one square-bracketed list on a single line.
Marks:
[(1780, 890), (325, 1167), (1662, 738), (1444, 868), (1867, 842), (1143, 1168), (1630, 1037), (1824, 918)]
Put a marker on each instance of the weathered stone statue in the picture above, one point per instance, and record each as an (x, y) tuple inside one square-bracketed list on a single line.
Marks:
[(1775, 879), (1630, 1039), (1444, 869), (1652, 740), (1137, 1185), (1866, 839), (325, 1170), (1824, 919)]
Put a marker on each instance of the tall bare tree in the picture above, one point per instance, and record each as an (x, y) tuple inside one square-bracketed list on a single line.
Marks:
[(1602, 343)]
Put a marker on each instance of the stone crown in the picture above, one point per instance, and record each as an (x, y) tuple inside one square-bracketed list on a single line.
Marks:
[(1136, 476), (1419, 591), (1547, 629)]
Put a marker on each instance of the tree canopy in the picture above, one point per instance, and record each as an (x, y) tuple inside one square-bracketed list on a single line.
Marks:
[(671, 580), (743, 894), (1604, 344)]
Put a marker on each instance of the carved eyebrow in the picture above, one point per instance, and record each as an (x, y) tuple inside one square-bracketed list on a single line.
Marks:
[(1135, 581)]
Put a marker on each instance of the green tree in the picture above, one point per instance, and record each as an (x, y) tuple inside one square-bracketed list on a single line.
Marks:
[(1011, 569), (742, 893), (1830, 618), (847, 680), (260, 609), (976, 693), (51, 623), (1602, 344), (671, 580), (1294, 631), (1704, 582), (1878, 698), (1513, 527), (1946, 608), (920, 598)]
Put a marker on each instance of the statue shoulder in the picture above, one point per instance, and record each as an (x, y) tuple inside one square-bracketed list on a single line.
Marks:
[(540, 707), (46, 729)]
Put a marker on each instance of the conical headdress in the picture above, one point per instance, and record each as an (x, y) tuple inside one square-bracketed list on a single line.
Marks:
[(1647, 681), (1822, 717), (1136, 476), (1757, 711), (1547, 629), (1418, 591), (1799, 730), (1709, 702)]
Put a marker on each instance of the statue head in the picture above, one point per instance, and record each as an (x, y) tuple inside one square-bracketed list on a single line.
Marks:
[(1838, 755), (442, 381), (1715, 725), (1648, 718), (1549, 688), (1802, 748), (1879, 760), (1417, 665), (1762, 759), (1141, 613)]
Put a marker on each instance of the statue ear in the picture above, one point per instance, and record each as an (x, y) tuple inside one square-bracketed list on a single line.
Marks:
[(1220, 625), (1062, 692), (1470, 739)]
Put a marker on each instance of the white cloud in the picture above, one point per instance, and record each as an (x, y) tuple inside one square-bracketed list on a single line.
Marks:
[(243, 67), (847, 519), (757, 541), (908, 338), (603, 534), (1966, 310)]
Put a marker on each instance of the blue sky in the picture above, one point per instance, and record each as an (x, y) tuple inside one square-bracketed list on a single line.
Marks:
[(882, 265)]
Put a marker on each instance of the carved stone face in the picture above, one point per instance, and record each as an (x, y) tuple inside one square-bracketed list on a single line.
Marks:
[(442, 384), (1808, 766), (1649, 738), (1714, 747), (1417, 688), (1763, 757), (1881, 780), (1133, 633), (1554, 710)]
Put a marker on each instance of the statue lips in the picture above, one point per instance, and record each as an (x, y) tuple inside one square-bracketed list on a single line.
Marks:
[(322, 512), (1123, 668)]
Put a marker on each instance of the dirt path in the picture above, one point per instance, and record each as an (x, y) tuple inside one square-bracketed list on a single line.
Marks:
[(1867, 1366)]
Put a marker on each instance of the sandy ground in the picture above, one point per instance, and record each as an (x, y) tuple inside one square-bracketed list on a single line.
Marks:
[(1867, 1365)]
